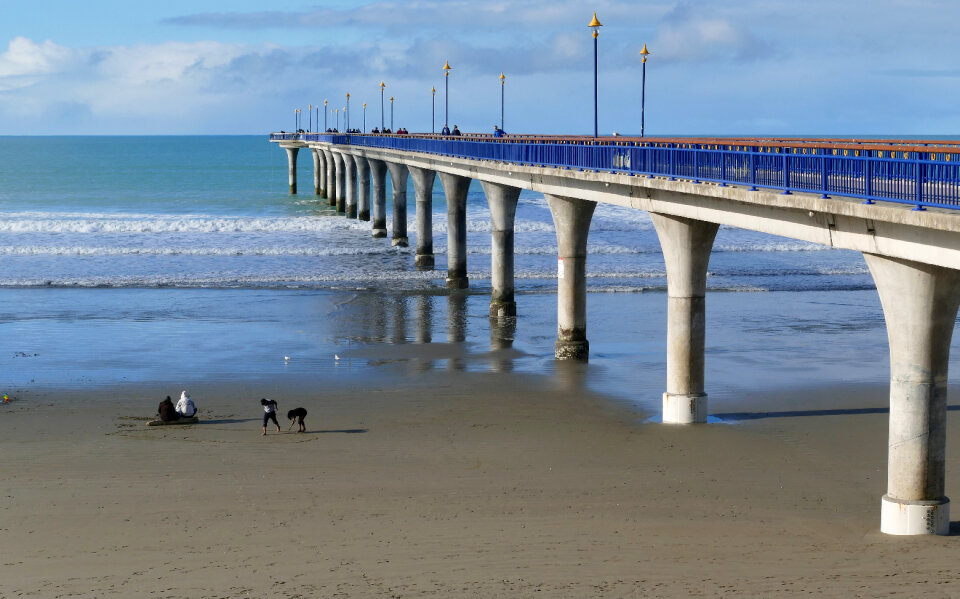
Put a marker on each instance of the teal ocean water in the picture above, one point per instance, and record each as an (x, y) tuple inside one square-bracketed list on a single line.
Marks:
[(184, 259)]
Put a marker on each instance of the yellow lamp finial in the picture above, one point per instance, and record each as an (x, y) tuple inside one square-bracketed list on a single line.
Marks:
[(446, 66), (391, 98), (502, 77), (595, 23), (382, 85), (433, 89)]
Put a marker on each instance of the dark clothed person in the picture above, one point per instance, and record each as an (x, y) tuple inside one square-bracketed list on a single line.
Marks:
[(167, 411)]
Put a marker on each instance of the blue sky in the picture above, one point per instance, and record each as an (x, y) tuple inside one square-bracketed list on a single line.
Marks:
[(811, 67)]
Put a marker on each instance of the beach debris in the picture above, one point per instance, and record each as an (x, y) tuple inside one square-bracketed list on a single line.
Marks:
[(336, 358), (286, 358), (6, 398)]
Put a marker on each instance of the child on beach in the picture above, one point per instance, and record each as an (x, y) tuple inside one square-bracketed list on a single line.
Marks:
[(269, 413), (185, 407), (298, 414)]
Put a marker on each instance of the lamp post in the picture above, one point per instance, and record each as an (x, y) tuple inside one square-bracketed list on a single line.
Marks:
[(324, 115), (364, 117), (318, 116), (310, 116), (391, 114), (382, 85), (595, 25), (346, 113), (338, 119), (446, 94), (295, 121), (643, 87), (502, 81), (433, 111)]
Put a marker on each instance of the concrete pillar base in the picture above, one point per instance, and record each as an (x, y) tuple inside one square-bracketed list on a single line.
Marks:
[(293, 189), (352, 211), (902, 517), (458, 283), (317, 191), (378, 233), (424, 261), (685, 409), (500, 309), (322, 192), (364, 215), (572, 350), (400, 242)]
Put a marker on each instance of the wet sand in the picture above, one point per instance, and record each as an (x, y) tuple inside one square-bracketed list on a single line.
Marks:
[(453, 484)]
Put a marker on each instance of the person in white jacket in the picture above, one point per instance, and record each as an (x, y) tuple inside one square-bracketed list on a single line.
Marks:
[(185, 407)]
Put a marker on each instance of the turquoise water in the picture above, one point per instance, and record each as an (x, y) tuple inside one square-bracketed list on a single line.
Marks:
[(183, 259)]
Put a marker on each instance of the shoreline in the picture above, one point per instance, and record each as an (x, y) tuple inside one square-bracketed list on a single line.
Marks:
[(452, 484)]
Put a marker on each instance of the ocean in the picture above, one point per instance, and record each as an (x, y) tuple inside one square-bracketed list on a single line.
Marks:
[(175, 260)]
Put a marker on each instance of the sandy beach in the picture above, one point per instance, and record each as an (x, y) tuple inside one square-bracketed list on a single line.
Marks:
[(453, 484)]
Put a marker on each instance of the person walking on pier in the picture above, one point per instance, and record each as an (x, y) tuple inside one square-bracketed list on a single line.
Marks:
[(445, 130), (456, 131)]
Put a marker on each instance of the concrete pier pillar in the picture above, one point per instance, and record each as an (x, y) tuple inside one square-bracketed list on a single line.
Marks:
[(503, 209), (378, 176), (455, 189), (292, 168), (363, 188), (920, 307), (331, 178), (350, 185), (340, 170), (686, 245), (317, 172), (423, 185), (398, 179), (572, 220)]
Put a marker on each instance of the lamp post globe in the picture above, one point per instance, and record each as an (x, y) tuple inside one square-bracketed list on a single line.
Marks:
[(595, 25)]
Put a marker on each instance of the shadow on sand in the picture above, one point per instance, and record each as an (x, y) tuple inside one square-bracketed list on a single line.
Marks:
[(346, 431), (741, 416), (227, 421)]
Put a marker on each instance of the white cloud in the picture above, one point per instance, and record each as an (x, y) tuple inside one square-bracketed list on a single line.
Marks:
[(697, 38), (25, 57)]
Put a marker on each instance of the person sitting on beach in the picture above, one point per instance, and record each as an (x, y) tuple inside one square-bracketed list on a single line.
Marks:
[(185, 407), (269, 413), (456, 130), (167, 411), (297, 414)]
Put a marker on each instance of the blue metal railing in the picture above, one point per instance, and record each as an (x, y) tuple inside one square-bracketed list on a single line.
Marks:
[(907, 174)]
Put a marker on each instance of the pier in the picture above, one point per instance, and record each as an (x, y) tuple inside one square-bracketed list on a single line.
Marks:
[(895, 201)]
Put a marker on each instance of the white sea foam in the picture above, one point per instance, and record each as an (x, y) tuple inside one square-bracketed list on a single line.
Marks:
[(18, 223)]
